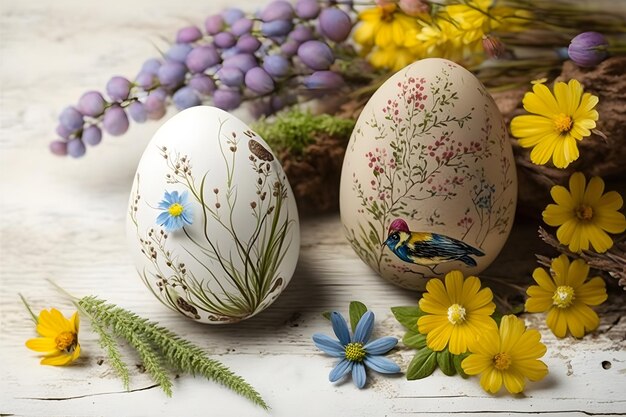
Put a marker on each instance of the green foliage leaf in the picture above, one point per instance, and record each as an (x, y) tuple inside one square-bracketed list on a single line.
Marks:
[(357, 309), (414, 339), (497, 316), (407, 316), (423, 364), (445, 361), (326, 315), (457, 359)]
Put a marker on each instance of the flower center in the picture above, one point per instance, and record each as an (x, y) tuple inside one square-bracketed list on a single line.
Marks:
[(563, 296), (456, 314), (563, 123), (65, 340), (355, 352), (175, 210), (502, 361), (584, 212)]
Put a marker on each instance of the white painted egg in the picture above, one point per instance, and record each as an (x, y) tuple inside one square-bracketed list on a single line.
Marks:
[(428, 182), (212, 222)]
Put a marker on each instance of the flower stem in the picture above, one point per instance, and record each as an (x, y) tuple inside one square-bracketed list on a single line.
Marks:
[(33, 316)]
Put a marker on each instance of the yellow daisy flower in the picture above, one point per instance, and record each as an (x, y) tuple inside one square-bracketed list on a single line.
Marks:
[(383, 26), (566, 295), (473, 19), (510, 355), (584, 214), (393, 58), (456, 313), (557, 122), (59, 339)]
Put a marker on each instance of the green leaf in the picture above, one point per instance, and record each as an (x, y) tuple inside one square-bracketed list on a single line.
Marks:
[(445, 361), (497, 316), (357, 309), (457, 359), (414, 339), (326, 315), (407, 316), (423, 364)]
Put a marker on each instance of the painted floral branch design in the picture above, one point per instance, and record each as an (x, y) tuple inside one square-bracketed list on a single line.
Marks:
[(237, 283), (408, 170)]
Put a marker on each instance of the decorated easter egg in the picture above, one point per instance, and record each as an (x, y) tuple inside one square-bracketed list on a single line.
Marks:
[(212, 222), (428, 182)]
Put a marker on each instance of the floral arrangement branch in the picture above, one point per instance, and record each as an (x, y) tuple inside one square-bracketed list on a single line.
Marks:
[(613, 261), (160, 349)]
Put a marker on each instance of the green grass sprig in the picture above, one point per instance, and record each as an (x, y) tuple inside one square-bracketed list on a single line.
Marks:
[(110, 346), (156, 345)]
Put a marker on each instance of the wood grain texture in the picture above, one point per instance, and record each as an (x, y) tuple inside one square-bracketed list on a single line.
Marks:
[(63, 220)]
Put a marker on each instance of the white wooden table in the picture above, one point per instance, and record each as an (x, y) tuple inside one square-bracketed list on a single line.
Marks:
[(63, 220)]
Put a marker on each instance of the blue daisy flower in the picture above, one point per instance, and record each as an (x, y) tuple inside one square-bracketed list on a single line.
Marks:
[(176, 211), (356, 353)]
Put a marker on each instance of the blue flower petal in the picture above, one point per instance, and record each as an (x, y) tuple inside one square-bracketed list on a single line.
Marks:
[(174, 196), (163, 217), (328, 345), (380, 346), (340, 327), (183, 197), (381, 364), (343, 367), (168, 198), (187, 217), (364, 328), (358, 374), (163, 204)]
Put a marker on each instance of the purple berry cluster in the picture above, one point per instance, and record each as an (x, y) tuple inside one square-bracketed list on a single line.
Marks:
[(265, 58)]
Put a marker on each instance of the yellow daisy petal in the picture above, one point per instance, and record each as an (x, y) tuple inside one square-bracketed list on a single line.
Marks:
[(557, 322), (555, 215), (530, 125), (566, 232), (594, 191), (586, 108), (528, 346), (574, 323), (428, 322), (541, 101), (537, 303), (544, 150), (438, 338), (432, 305), (491, 380), (598, 238), (511, 330), (562, 197), (482, 298), (542, 278), (533, 369), (60, 359), (514, 381), (610, 201), (475, 364), (454, 286), (611, 221), (592, 292), (458, 340), (585, 319), (577, 273), (42, 344), (577, 184), (560, 268)]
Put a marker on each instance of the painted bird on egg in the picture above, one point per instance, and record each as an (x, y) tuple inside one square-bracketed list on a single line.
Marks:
[(424, 248)]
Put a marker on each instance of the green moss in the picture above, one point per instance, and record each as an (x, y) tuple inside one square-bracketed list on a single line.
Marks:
[(295, 129)]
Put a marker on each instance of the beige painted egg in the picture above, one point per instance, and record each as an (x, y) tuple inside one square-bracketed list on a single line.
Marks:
[(212, 222), (428, 182)]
